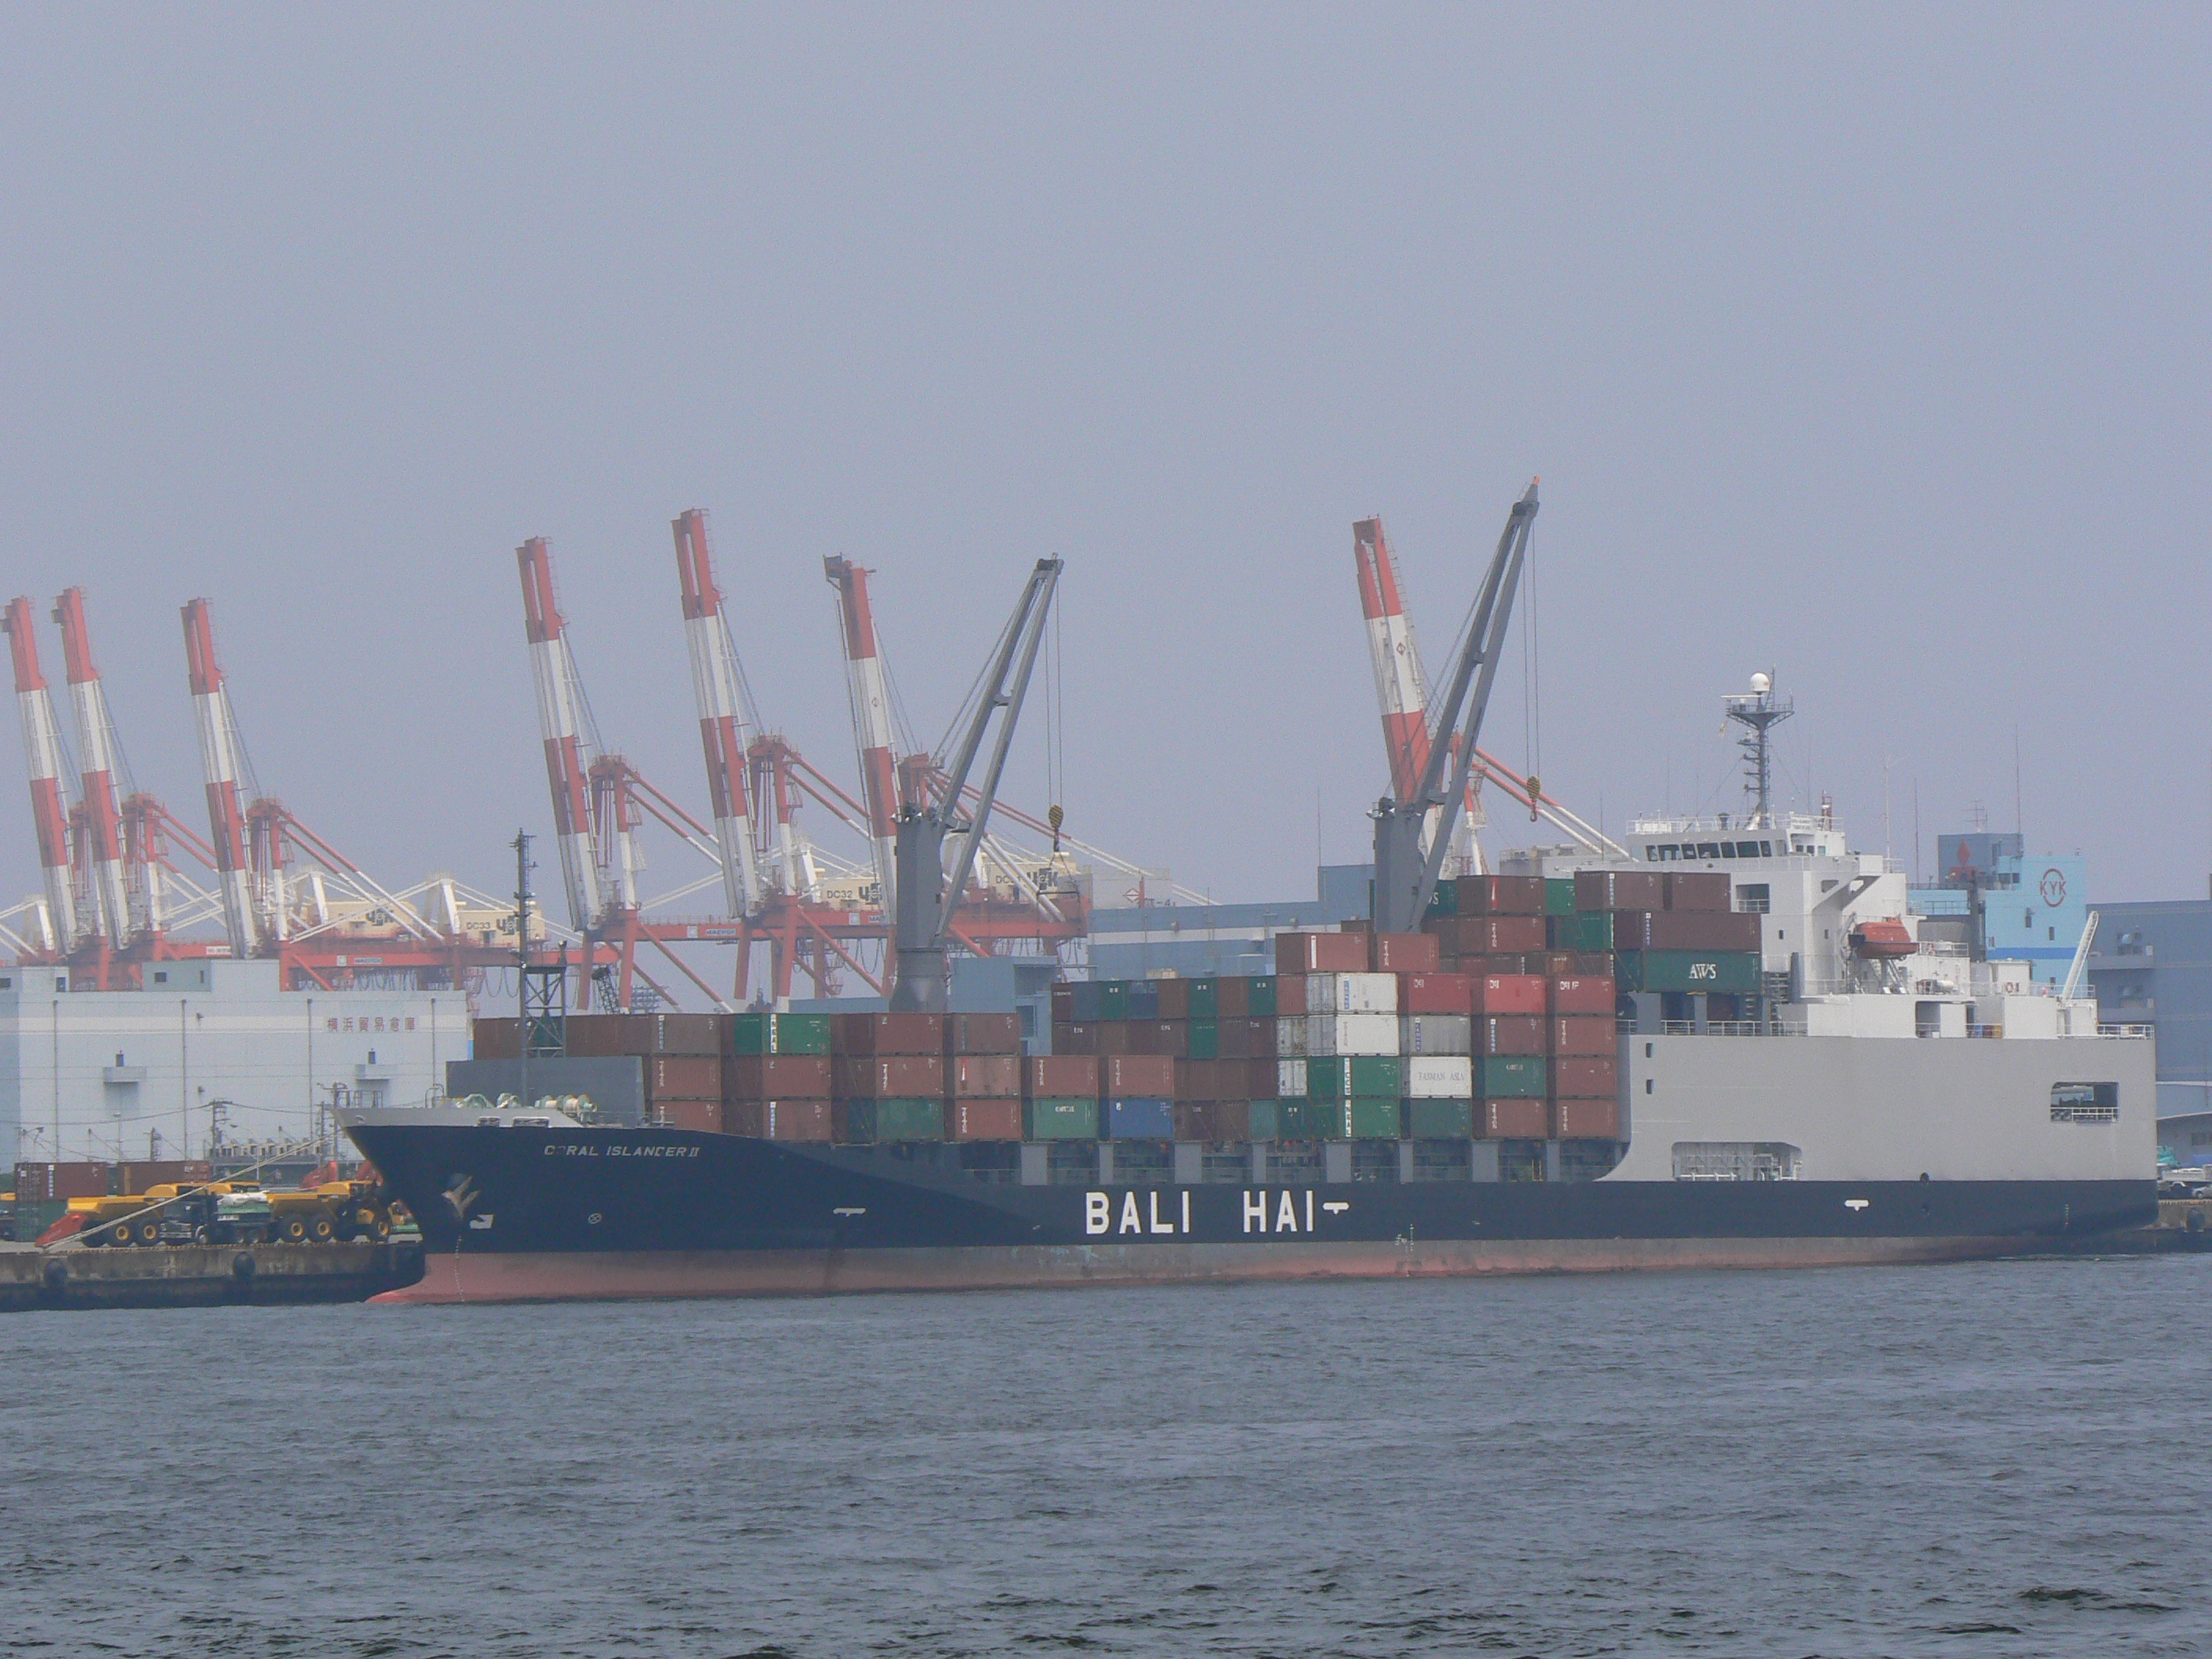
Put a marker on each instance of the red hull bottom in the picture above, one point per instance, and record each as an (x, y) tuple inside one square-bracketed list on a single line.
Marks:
[(596, 1276)]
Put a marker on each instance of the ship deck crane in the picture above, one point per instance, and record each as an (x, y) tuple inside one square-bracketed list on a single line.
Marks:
[(1407, 862)]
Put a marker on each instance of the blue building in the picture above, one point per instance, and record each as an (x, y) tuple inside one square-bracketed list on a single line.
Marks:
[(2033, 907)]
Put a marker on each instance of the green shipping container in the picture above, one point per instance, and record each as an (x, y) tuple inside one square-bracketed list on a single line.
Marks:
[(1260, 992), (1559, 895), (1205, 1034), (1063, 1118), (1445, 900), (779, 1033), (1590, 930), (1113, 999), (1204, 999), (900, 1117), (1509, 1077), (1348, 1077), (1267, 1121), (34, 1215), (1357, 1119), (1439, 1120), (1288, 1120), (1733, 971)]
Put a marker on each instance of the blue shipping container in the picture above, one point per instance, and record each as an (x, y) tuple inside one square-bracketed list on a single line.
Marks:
[(1139, 1119), (1144, 998), (1087, 997)]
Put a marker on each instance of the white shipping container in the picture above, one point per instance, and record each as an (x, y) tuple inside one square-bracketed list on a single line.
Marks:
[(1440, 1077), (1291, 1035), (1435, 1033), (1291, 1078), (1351, 993), (1352, 1034)]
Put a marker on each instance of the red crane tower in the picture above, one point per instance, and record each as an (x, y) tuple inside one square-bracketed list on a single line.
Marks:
[(50, 804)]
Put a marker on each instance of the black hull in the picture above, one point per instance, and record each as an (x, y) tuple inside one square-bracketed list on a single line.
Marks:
[(539, 1213)]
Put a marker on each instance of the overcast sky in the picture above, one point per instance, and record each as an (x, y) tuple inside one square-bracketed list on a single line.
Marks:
[(1867, 344)]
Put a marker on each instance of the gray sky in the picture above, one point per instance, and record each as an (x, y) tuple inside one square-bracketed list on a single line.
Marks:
[(1868, 343)]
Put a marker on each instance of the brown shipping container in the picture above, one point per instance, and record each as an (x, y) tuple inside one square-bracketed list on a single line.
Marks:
[(1321, 953), (1510, 993), (889, 1034), (1261, 1079), (777, 1077), (684, 1077), (1201, 1080), (1436, 993), (130, 1178), (1194, 1121), (984, 1077), (1290, 994), (496, 1039), (1619, 890), (1139, 1076), (1075, 1040), (1500, 935), (1175, 998), (983, 1120), (1578, 994), (1242, 1038), (1063, 1005), (1586, 1119), (1159, 1036), (777, 1120), (1688, 930), (1061, 1076), (703, 1115), (1231, 1120), (45, 1182), (983, 1033), (1699, 890), (1582, 1033), (1501, 895), (1111, 1037), (597, 1036), (1512, 1120), (1589, 1077), (1232, 997), (1509, 1034), (1405, 953), (863, 1076)]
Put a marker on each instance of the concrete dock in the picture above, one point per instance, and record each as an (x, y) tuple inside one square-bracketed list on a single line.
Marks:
[(203, 1275)]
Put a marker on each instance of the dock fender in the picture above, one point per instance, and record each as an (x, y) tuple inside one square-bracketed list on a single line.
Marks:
[(55, 1275), (242, 1266)]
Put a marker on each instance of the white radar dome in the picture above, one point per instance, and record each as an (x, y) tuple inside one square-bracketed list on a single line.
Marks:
[(1761, 685)]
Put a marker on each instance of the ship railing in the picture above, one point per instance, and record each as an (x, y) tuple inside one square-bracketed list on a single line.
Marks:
[(2129, 1032), (1751, 1027)]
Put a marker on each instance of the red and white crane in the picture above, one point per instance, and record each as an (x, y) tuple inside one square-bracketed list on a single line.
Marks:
[(249, 925), (726, 727), (98, 762), (42, 754), (874, 729), (561, 718)]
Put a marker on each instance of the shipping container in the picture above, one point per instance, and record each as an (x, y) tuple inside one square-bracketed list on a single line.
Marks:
[(1063, 1005), (1290, 996), (776, 1034), (889, 1034), (1050, 1076), (1200, 1079), (1267, 1119), (1593, 929), (1501, 895), (1191, 999), (1405, 953), (1063, 1118), (1437, 1076), (1113, 998), (1436, 993), (983, 1033), (787, 1076), (778, 1120), (1513, 1120), (1321, 953), (1582, 1033), (595, 1036), (1113, 1036), (1137, 1076), (1733, 971), (1502, 1075), (1144, 998), (1139, 1118), (1619, 890), (1170, 1037), (1351, 993), (1232, 997), (893, 1118), (1559, 895), (1510, 993), (1291, 1078), (1261, 1077), (1205, 1039), (863, 1077), (1699, 890), (983, 1077), (1578, 994), (1443, 903), (1293, 1034), (1436, 1034), (1347, 1076), (1439, 1120), (702, 1117), (41, 1182), (1355, 1119), (684, 1077), (1586, 1077), (1242, 1038), (1081, 1039), (496, 1039), (1352, 1034), (125, 1179), (980, 1119), (1586, 1119), (1509, 1034), (1489, 936), (1086, 1002), (1685, 930)]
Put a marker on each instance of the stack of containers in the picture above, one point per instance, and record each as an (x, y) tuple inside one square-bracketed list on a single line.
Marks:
[(1510, 1076), (776, 1076), (1301, 1107), (1354, 1073), (1674, 931), (887, 1076), (1060, 1094), (1494, 924), (983, 1077), (683, 1057), (1436, 1042), (1581, 1037)]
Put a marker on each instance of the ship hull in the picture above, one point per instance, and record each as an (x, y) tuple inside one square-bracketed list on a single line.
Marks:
[(521, 1214)]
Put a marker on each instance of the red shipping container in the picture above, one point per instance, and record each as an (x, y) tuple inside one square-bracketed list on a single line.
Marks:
[(1175, 998), (984, 1077), (1501, 895), (45, 1182), (1699, 890), (1075, 1039), (1619, 890), (1061, 1076), (1063, 1005), (597, 1036), (1436, 993), (1242, 1039), (1493, 935), (131, 1178), (705, 1116), (1231, 1120), (1194, 1121), (684, 1077), (983, 1120), (1589, 1077), (1509, 1034), (885, 1077), (1139, 1077), (1290, 994), (1512, 1120), (1510, 993), (1405, 953), (1261, 1077), (1114, 1037), (1232, 997), (777, 1120), (983, 1033), (1581, 994), (1586, 1119), (1159, 1036), (496, 1039), (1558, 962), (1321, 953), (889, 1034), (1582, 1033), (777, 1077), (1200, 1079)]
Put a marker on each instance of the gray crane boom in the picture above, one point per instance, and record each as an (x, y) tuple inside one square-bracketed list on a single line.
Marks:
[(925, 893), (1406, 872)]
